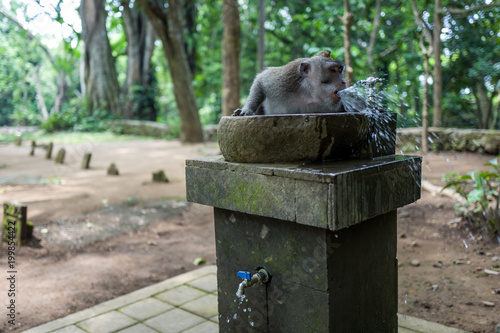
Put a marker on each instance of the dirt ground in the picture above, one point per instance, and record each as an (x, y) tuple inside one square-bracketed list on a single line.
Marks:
[(155, 234)]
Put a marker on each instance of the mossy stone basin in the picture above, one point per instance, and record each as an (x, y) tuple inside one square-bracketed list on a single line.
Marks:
[(292, 138)]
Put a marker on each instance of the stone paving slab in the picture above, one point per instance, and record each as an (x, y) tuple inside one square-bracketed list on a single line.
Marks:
[(186, 303)]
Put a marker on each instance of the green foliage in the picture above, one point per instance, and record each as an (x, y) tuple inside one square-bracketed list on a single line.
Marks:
[(481, 193), (75, 117), (57, 122), (471, 45)]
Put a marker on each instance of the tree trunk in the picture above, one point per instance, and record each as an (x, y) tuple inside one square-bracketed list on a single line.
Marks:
[(167, 21), (438, 70), (61, 92), (484, 104), (373, 36), (425, 108), (39, 96), (140, 46), (261, 46), (102, 89), (348, 20), (230, 57), (190, 31)]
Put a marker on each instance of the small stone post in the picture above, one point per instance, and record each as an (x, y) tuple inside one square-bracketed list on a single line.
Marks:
[(33, 146), (160, 177), (113, 170), (60, 156), (86, 161), (15, 226), (48, 153), (19, 140)]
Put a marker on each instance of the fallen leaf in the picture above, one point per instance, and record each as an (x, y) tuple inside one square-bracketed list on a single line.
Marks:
[(488, 271), (198, 261), (459, 261)]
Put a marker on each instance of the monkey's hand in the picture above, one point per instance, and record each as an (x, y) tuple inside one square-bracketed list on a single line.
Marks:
[(240, 112)]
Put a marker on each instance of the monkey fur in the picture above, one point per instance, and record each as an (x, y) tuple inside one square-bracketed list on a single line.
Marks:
[(305, 85)]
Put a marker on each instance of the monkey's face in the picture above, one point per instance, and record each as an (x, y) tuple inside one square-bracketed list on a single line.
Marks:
[(329, 82)]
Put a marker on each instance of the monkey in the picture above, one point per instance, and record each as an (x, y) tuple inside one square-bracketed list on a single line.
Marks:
[(304, 85)]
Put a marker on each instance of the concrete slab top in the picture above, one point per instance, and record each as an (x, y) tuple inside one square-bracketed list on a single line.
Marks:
[(331, 195), (323, 172)]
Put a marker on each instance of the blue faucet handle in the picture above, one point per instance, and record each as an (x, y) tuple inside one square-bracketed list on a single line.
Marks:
[(244, 275)]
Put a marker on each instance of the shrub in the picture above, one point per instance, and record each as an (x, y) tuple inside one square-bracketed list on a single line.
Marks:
[(481, 192)]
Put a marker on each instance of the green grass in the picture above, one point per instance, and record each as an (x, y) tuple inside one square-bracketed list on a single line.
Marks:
[(72, 137)]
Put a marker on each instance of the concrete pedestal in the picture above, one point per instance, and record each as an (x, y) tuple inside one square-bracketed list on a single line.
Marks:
[(325, 232)]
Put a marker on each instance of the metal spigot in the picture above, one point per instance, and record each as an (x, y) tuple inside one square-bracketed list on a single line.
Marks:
[(370, 83), (261, 277)]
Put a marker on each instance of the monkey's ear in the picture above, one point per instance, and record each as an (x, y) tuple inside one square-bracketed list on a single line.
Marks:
[(305, 68)]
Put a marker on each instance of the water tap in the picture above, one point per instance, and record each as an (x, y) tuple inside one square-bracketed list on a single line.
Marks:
[(370, 83), (262, 276)]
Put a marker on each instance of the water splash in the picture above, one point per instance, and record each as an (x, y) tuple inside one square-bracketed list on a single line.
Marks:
[(355, 99), (240, 301)]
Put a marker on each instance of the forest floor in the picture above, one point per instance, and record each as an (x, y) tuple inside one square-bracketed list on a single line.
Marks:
[(98, 237)]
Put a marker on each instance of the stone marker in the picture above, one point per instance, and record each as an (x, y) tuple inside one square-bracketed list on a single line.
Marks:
[(48, 154), (19, 141), (160, 177), (33, 146), (113, 170), (86, 161), (15, 226), (60, 156)]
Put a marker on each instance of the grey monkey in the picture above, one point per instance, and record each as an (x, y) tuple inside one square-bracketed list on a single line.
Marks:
[(305, 85)]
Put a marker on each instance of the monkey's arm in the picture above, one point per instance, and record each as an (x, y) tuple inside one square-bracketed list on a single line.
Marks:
[(255, 98)]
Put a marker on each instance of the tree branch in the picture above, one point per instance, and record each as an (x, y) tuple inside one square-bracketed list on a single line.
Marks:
[(467, 11), (393, 47), (28, 34), (418, 19)]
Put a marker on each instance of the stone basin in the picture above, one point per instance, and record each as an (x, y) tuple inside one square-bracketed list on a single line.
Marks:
[(292, 138)]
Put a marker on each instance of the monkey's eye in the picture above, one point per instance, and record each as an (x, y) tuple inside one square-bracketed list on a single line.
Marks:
[(341, 69)]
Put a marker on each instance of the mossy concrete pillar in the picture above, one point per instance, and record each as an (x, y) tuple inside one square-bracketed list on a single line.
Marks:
[(325, 232)]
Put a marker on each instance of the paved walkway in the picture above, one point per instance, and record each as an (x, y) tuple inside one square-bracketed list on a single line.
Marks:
[(185, 303)]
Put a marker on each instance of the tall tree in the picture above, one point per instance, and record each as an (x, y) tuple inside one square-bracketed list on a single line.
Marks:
[(348, 20), (230, 57), (426, 34), (190, 32), (437, 47), (167, 21), (140, 46), (373, 36), (100, 79), (61, 84), (474, 61), (261, 46)]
